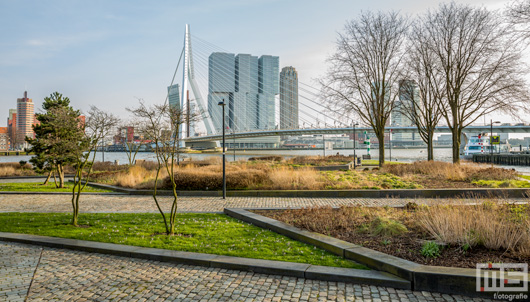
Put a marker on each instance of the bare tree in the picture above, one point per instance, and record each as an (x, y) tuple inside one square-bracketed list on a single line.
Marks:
[(131, 147), (365, 70), (518, 13), (418, 98), (97, 126), (161, 125), (478, 63)]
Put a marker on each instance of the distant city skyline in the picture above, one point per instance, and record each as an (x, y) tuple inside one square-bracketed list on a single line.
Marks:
[(248, 86), (109, 53), (289, 98)]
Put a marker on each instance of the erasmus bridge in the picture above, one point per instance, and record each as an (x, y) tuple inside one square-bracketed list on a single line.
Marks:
[(312, 117)]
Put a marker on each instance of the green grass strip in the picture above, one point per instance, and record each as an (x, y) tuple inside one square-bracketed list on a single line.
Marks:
[(200, 233), (50, 187)]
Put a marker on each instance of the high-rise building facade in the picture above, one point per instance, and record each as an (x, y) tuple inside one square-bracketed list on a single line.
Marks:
[(12, 127), (248, 85), (4, 139), (408, 93), (289, 98), (173, 95), (25, 120)]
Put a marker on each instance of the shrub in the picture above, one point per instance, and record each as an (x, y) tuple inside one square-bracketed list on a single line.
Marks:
[(494, 225), (430, 249), (15, 169), (450, 171), (266, 158), (387, 227)]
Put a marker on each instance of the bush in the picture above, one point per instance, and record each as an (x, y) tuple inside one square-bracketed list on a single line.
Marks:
[(266, 158), (387, 227), (450, 171), (493, 224), (430, 249)]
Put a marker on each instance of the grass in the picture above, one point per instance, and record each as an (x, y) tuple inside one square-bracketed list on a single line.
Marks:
[(38, 187), (450, 171), (200, 233), (491, 224), (511, 183), (375, 162), (525, 176), (274, 173)]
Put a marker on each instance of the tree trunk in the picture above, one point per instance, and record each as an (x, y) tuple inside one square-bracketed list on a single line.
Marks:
[(48, 178), (60, 171), (430, 147), (381, 139), (456, 145)]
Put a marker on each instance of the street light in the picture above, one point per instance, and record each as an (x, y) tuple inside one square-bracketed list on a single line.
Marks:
[(234, 143), (491, 139), (222, 104), (354, 156)]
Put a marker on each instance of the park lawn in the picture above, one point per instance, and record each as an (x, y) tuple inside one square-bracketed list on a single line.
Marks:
[(509, 183), (50, 187), (200, 233), (525, 176), (375, 162)]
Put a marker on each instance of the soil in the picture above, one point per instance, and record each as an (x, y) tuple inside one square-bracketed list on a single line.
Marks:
[(406, 246)]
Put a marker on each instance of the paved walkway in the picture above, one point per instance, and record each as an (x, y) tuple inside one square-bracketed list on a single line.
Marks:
[(46, 274), (140, 204)]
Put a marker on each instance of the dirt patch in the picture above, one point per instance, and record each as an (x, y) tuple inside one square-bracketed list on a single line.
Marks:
[(352, 224)]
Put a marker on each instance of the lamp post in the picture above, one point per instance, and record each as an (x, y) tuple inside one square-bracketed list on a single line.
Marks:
[(222, 104), (491, 139), (390, 143), (354, 155), (234, 143)]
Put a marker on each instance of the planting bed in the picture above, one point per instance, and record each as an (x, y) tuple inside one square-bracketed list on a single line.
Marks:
[(376, 228)]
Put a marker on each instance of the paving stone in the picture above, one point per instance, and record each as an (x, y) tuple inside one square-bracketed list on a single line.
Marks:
[(144, 204)]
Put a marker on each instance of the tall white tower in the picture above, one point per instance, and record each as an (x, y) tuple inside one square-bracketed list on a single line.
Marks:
[(188, 77)]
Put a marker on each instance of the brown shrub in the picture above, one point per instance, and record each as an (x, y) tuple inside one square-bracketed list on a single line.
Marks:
[(491, 224), (14, 169), (266, 158), (108, 166), (319, 160), (287, 178), (208, 179), (450, 171)]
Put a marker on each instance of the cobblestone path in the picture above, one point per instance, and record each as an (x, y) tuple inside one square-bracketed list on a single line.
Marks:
[(64, 275), (138, 204)]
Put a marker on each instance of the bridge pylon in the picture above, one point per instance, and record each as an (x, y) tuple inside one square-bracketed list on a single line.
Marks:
[(188, 77)]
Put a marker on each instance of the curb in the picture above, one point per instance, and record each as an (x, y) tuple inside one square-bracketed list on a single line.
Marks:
[(400, 193), (300, 270), (447, 280), (58, 193)]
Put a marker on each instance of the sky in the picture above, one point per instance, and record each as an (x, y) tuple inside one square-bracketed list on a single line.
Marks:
[(110, 53)]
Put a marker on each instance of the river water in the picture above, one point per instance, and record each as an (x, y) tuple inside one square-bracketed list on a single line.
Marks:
[(403, 155)]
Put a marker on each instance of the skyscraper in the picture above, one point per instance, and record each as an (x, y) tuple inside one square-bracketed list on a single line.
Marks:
[(408, 93), (12, 127), (221, 85), (173, 95), (248, 85), (288, 98), (25, 120), (268, 78)]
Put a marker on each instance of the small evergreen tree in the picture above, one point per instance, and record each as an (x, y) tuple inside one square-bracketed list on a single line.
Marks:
[(56, 137)]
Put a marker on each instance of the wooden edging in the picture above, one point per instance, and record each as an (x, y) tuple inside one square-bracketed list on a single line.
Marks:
[(422, 277), (300, 270)]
